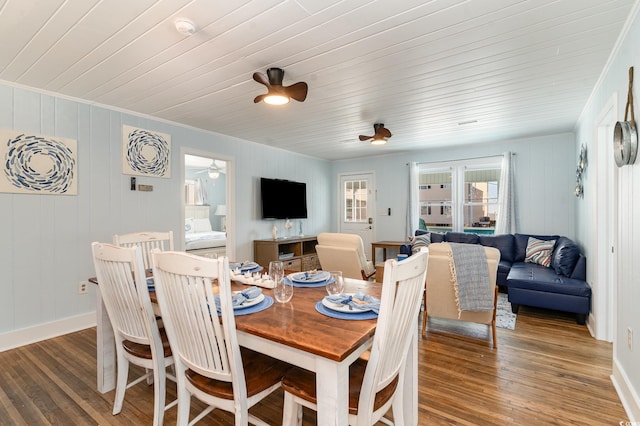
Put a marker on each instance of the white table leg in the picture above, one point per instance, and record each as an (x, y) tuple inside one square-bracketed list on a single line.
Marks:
[(410, 400), (332, 391), (105, 343)]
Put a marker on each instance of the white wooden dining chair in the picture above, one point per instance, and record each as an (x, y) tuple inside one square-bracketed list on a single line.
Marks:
[(375, 385), (210, 364), (147, 241), (123, 286)]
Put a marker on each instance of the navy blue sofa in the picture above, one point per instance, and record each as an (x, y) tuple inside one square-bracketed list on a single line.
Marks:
[(562, 286)]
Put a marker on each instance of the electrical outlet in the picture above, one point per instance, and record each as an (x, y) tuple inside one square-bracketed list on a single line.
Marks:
[(83, 287), (630, 337)]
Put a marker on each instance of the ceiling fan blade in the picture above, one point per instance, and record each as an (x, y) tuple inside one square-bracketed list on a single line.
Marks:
[(297, 91), (364, 138), (259, 98), (383, 131), (261, 78)]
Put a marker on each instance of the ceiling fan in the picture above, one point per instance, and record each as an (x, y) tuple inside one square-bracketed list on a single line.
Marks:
[(212, 171), (277, 93), (380, 135)]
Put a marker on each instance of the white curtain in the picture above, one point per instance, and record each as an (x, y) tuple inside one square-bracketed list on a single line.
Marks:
[(413, 204), (200, 192), (506, 221)]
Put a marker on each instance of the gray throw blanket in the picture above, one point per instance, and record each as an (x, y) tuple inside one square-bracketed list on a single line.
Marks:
[(471, 269)]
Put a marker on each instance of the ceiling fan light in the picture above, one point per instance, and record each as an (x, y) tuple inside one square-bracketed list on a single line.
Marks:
[(213, 172), (276, 99), (380, 141)]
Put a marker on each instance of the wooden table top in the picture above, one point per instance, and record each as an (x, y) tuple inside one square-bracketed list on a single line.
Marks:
[(297, 324), (389, 243)]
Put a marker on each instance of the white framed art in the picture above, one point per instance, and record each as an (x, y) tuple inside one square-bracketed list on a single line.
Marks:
[(145, 153), (38, 164)]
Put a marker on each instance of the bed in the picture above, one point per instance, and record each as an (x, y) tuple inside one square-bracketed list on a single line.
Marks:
[(199, 237)]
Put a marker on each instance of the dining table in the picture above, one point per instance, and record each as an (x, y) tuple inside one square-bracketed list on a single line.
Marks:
[(297, 333)]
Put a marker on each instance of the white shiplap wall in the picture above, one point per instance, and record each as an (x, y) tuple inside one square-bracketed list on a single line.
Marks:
[(545, 179), (45, 239), (626, 295)]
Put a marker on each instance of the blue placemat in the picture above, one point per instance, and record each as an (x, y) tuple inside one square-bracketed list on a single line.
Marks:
[(298, 284), (267, 302), (341, 315)]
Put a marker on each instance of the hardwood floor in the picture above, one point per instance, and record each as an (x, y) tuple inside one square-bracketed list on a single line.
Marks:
[(547, 371)]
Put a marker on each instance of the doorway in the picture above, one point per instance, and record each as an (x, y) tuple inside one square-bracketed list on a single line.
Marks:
[(605, 224), (357, 207), (207, 206)]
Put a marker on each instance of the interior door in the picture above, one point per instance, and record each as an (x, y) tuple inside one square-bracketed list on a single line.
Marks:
[(357, 207), (207, 180)]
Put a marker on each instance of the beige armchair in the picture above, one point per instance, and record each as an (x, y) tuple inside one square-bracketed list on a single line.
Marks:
[(344, 252), (440, 296)]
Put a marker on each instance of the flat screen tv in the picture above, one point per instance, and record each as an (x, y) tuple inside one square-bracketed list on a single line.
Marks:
[(283, 199)]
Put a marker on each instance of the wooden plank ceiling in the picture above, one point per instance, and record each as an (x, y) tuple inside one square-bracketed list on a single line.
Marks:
[(507, 68)]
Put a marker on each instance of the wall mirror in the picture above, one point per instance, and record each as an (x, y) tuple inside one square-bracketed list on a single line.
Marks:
[(205, 203)]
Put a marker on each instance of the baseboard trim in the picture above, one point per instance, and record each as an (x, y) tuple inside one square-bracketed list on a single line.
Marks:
[(25, 336), (627, 394)]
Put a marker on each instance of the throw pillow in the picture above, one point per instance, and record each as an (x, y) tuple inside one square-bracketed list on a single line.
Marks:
[(565, 256), (188, 225), (420, 241), (539, 251), (201, 225)]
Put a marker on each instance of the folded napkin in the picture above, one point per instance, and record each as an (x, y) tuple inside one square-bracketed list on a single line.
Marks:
[(298, 282), (309, 276), (362, 302), (245, 266), (242, 296)]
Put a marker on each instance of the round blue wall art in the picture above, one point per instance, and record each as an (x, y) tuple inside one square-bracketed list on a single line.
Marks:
[(145, 153), (38, 164)]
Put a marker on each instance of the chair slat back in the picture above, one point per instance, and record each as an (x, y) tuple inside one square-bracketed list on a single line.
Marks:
[(342, 252), (119, 270), (402, 289), (147, 241), (199, 340)]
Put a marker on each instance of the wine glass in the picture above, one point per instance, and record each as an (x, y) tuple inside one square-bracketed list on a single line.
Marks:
[(283, 290), (335, 285), (276, 270)]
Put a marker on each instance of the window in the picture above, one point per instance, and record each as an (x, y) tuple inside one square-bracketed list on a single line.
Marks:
[(464, 193), (355, 201)]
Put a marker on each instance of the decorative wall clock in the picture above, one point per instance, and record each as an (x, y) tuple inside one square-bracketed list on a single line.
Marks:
[(625, 135)]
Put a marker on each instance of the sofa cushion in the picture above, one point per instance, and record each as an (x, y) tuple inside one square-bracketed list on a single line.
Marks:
[(539, 251), (580, 270), (436, 237), (521, 241), (565, 256), (420, 241), (462, 237), (504, 266), (503, 242), (538, 278)]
